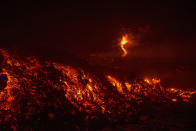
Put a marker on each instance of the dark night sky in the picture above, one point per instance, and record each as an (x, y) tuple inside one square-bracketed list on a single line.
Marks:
[(96, 26)]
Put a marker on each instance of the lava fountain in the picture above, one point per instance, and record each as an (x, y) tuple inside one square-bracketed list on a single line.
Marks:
[(124, 41)]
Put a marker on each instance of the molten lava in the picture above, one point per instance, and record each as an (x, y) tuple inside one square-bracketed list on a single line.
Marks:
[(34, 87), (123, 42)]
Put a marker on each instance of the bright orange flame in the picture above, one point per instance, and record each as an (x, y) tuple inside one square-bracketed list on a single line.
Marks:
[(123, 42)]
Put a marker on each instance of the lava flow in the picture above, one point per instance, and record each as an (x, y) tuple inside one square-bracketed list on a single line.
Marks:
[(123, 42), (31, 88)]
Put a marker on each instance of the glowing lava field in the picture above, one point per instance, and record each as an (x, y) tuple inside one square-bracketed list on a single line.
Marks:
[(42, 95)]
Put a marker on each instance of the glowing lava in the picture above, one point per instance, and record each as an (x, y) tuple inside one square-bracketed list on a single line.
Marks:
[(34, 86), (123, 42)]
